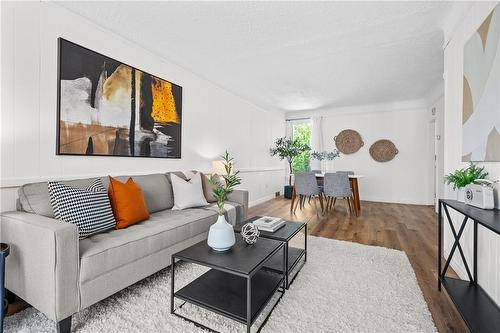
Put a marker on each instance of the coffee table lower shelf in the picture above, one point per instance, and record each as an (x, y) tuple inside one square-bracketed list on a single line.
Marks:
[(294, 256), (226, 294)]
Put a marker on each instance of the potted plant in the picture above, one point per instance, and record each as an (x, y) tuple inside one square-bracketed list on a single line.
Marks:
[(324, 157), (465, 176), (221, 233), (287, 149)]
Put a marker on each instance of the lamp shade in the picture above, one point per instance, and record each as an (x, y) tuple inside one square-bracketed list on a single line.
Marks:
[(219, 167)]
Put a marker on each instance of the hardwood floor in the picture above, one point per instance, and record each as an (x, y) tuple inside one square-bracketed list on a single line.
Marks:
[(408, 228)]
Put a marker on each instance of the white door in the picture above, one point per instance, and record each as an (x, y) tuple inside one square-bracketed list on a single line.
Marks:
[(432, 160)]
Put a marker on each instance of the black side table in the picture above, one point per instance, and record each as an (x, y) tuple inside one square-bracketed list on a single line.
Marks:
[(293, 256), (4, 252)]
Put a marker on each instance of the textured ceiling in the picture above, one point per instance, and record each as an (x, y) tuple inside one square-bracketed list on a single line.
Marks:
[(291, 55)]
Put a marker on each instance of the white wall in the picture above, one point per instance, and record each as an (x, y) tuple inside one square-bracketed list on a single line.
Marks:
[(405, 178), (213, 119), (489, 243)]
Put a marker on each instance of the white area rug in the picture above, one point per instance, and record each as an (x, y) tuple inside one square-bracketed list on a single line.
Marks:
[(344, 287)]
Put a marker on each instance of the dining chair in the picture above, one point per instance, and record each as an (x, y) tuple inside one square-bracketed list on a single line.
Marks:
[(319, 180), (350, 173), (337, 185), (306, 186)]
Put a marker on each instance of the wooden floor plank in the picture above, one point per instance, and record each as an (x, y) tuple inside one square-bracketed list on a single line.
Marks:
[(410, 228)]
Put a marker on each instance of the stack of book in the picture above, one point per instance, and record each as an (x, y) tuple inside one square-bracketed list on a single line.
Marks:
[(268, 223)]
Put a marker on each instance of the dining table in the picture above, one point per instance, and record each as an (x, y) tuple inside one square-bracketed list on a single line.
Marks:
[(353, 179)]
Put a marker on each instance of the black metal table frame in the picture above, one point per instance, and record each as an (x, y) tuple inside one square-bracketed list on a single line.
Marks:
[(248, 277), (456, 244), (304, 254)]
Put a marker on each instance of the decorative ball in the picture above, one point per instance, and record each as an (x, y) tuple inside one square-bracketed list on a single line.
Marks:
[(250, 233)]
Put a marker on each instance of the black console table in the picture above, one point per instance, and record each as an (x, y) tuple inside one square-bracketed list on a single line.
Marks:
[(478, 310)]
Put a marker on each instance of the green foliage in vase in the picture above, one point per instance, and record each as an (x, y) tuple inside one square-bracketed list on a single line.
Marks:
[(224, 184), (288, 149), (325, 155), (465, 176)]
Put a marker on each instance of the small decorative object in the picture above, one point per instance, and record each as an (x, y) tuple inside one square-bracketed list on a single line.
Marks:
[(463, 177), (325, 158), (288, 149), (383, 150), (250, 233), (480, 194), (221, 234), (348, 141)]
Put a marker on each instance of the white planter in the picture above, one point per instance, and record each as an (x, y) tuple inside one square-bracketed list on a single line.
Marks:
[(460, 194), (221, 235)]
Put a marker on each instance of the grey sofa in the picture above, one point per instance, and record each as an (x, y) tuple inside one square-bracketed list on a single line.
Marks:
[(59, 275)]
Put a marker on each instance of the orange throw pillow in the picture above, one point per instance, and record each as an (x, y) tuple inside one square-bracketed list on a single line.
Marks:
[(127, 201)]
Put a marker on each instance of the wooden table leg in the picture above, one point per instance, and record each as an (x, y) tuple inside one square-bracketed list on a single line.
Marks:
[(293, 198), (355, 194)]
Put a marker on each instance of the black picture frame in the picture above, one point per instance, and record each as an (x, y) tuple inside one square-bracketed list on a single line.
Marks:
[(177, 92)]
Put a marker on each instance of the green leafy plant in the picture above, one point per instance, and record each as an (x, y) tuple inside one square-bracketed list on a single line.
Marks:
[(301, 134), (223, 185), (465, 176), (325, 155), (288, 149)]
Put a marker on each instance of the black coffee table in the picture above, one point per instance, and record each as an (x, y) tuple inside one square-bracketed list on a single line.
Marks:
[(293, 254), (237, 286)]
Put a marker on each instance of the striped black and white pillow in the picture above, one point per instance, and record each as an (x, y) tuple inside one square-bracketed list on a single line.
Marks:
[(89, 208)]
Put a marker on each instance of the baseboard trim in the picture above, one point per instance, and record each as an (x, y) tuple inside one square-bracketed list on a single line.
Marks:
[(261, 200)]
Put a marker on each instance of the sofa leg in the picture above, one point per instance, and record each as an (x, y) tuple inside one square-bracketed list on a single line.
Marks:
[(64, 326)]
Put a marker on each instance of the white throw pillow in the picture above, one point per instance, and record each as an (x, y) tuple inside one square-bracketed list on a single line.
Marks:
[(188, 193)]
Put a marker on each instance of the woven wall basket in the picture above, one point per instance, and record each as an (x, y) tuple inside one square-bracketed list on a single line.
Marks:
[(383, 150), (348, 141)]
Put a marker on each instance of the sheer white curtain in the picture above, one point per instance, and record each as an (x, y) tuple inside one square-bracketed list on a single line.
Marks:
[(316, 140)]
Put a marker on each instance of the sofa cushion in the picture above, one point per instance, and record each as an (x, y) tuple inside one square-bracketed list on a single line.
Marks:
[(156, 187), (34, 198), (128, 202), (187, 193), (107, 251), (89, 208)]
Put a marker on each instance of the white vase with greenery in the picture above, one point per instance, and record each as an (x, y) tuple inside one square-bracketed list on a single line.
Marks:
[(463, 177), (221, 234)]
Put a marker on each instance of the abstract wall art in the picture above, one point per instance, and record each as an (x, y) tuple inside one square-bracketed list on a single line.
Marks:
[(481, 92), (108, 108)]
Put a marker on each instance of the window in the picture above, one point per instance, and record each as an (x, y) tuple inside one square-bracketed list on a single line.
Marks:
[(301, 131)]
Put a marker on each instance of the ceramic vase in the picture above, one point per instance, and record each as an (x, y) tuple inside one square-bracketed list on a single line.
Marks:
[(221, 235)]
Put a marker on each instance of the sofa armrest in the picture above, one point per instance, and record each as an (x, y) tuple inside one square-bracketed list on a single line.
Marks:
[(241, 197), (43, 264)]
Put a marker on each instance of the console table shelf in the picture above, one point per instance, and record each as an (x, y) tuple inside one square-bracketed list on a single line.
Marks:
[(478, 310)]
